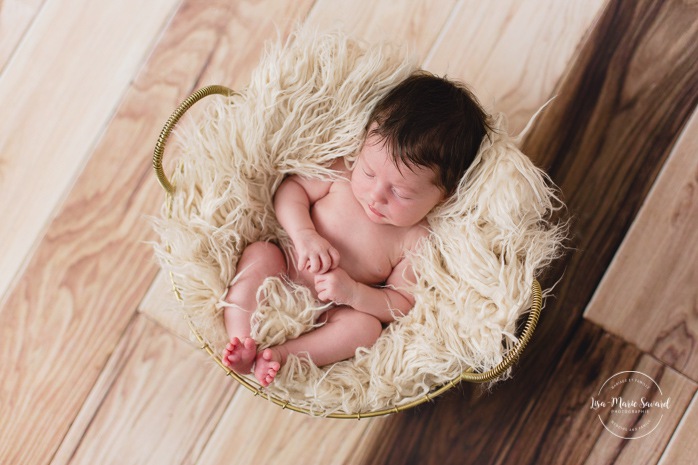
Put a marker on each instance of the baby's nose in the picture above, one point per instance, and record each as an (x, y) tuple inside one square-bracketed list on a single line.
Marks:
[(377, 195)]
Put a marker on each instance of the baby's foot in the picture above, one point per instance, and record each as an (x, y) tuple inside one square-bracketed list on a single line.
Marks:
[(239, 355), (267, 366)]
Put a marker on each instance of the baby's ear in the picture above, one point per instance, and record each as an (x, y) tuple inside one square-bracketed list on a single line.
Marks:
[(443, 194)]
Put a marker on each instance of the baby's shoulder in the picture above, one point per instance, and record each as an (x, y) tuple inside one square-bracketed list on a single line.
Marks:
[(416, 233), (340, 167), (342, 175)]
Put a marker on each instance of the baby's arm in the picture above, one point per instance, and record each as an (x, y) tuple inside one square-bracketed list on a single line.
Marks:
[(386, 302), (383, 303), (292, 202)]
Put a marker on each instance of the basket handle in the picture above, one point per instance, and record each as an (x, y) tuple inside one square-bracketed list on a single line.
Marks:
[(169, 125), (513, 354)]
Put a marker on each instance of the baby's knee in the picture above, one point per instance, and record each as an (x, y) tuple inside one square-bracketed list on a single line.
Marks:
[(264, 257), (367, 327)]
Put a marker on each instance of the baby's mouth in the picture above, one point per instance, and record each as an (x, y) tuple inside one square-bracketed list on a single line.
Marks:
[(376, 212)]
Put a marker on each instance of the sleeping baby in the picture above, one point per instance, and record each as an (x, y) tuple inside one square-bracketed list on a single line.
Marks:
[(350, 235)]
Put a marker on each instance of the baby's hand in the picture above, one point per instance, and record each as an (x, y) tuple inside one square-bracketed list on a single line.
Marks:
[(315, 253), (336, 286)]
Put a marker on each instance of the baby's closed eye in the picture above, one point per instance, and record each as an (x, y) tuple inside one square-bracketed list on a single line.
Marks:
[(400, 194)]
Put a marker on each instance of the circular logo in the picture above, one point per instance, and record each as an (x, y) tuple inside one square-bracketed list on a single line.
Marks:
[(630, 404)]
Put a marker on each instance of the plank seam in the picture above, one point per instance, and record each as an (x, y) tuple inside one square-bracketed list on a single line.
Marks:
[(673, 437), (444, 30), (21, 41), (116, 373)]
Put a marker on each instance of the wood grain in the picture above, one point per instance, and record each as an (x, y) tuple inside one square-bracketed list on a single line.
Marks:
[(603, 141), (649, 295), (82, 286), (161, 408), (415, 24), (161, 305), (567, 427), (256, 431), (683, 448), (608, 135), (515, 425), (16, 16), (474, 427), (512, 55), (60, 106), (114, 366), (679, 390), (81, 366)]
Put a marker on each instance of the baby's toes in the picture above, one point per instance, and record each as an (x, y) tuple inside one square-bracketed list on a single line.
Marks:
[(269, 378), (271, 373)]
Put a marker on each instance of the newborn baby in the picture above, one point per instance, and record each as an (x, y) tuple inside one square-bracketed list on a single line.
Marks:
[(350, 235)]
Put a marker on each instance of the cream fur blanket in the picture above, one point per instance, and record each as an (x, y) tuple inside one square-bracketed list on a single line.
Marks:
[(307, 104)]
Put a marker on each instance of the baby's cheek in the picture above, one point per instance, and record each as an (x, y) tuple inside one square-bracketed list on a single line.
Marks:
[(357, 187)]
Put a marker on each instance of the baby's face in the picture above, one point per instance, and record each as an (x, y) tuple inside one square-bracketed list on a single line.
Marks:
[(399, 197)]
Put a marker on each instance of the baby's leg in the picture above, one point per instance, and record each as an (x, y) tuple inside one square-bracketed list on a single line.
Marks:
[(345, 331), (259, 261)]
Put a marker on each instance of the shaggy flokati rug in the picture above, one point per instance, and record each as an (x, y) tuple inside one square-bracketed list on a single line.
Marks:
[(306, 105)]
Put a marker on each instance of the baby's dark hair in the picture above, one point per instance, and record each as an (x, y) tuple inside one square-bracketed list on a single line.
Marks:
[(432, 122)]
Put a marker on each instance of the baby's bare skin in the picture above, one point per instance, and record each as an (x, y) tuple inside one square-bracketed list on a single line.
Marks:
[(368, 251), (349, 236)]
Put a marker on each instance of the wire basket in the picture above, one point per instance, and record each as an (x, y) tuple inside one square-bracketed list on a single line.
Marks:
[(468, 375)]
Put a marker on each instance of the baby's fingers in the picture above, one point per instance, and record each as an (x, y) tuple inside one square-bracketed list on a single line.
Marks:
[(320, 287), (334, 254), (302, 262), (326, 262), (314, 263)]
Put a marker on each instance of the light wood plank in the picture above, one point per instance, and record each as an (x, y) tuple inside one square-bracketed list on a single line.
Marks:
[(83, 284), (161, 305), (512, 53), (233, 60), (255, 431), (414, 23), (16, 17), (62, 87), (162, 406), (683, 448), (649, 292), (116, 363), (118, 359)]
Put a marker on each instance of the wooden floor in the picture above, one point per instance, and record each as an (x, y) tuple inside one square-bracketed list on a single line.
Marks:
[(94, 370)]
